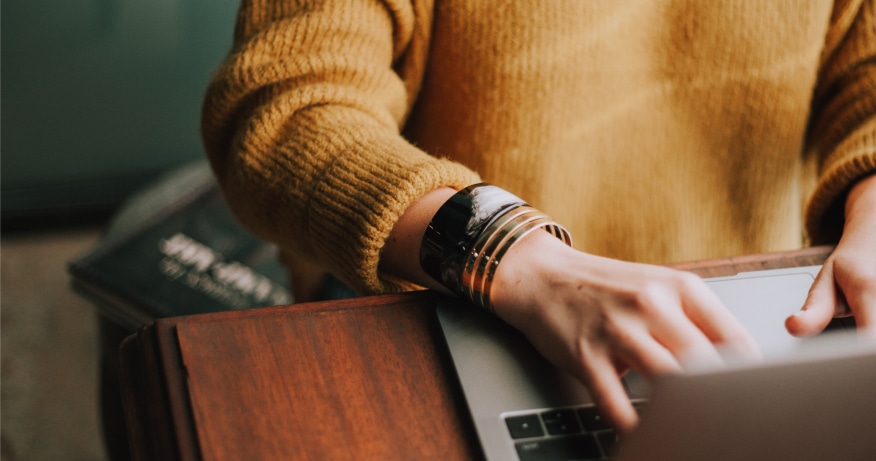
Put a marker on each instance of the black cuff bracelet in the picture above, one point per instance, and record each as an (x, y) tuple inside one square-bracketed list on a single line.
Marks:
[(455, 227), (471, 232)]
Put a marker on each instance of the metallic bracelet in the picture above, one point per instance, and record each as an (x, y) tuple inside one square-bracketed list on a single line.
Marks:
[(509, 238), (470, 234), (485, 246), (455, 227)]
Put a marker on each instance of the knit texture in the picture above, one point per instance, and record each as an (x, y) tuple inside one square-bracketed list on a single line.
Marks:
[(655, 131)]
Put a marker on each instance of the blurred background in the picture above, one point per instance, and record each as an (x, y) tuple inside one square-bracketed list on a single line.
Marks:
[(99, 97)]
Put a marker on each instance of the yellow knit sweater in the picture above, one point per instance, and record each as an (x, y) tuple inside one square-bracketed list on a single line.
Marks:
[(656, 131)]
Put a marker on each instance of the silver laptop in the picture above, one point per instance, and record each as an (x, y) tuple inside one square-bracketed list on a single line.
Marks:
[(809, 399)]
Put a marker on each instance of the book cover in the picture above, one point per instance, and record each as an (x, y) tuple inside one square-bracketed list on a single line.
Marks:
[(178, 250)]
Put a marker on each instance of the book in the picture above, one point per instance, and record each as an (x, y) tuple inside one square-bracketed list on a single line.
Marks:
[(176, 249)]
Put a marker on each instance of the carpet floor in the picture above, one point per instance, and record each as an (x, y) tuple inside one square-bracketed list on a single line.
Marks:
[(49, 346)]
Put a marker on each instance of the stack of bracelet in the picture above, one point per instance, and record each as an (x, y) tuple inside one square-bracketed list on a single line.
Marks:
[(470, 234)]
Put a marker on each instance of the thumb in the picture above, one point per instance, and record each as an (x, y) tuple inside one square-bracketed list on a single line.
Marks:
[(819, 307)]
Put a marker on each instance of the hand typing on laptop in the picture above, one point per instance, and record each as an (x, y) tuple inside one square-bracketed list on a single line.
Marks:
[(846, 284), (597, 317)]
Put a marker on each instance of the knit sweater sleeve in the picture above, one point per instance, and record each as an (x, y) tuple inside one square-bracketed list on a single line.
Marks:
[(842, 132), (302, 122)]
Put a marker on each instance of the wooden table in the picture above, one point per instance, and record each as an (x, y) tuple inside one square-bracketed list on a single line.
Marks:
[(364, 378)]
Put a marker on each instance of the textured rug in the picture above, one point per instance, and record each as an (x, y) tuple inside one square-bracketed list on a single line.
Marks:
[(49, 346)]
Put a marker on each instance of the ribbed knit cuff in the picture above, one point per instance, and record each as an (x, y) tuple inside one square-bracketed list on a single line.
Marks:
[(358, 201), (851, 161)]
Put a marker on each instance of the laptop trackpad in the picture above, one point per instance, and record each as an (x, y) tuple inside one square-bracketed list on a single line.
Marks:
[(762, 303)]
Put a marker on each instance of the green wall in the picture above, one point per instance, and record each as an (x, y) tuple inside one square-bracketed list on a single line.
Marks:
[(99, 95)]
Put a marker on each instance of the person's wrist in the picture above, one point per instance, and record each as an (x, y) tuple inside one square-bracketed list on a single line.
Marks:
[(527, 272), (399, 257), (860, 218), (861, 201), (470, 234)]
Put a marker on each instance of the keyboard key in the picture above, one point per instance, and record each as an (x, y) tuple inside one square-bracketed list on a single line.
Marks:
[(524, 426), (560, 422), (592, 420), (579, 447), (609, 441)]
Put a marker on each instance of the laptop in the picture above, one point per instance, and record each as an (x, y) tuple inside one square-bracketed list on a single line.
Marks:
[(809, 399)]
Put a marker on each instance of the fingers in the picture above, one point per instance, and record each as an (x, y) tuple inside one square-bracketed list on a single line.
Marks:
[(638, 348), (859, 292), (818, 308), (823, 302), (682, 340), (601, 364), (609, 395), (692, 321), (719, 325), (847, 281)]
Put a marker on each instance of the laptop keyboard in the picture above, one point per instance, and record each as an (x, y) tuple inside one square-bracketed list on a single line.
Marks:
[(564, 434)]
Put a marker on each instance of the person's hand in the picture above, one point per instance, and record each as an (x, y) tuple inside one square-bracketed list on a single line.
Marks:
[(597, 317), (846, 284), (592, 316)]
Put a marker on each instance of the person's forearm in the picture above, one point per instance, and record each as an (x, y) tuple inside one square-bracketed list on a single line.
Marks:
[(401, 255)]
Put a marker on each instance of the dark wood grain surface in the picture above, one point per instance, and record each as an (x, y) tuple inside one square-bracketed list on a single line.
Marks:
[(361, 382), (365, 378)]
